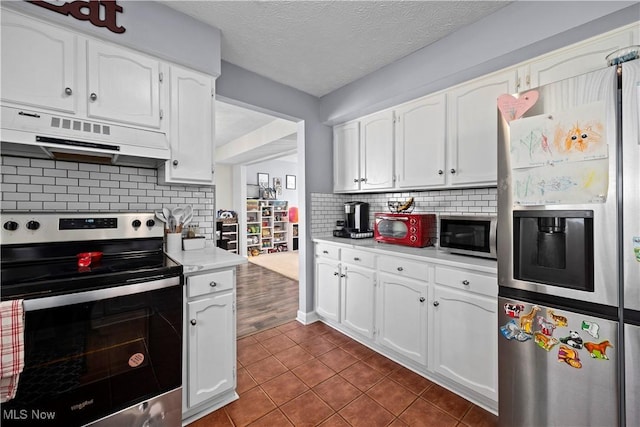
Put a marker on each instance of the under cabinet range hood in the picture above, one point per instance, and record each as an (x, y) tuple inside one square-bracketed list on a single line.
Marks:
[(34, 133)]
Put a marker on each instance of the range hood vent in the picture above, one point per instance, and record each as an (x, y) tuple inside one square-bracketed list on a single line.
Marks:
[(36, 134)]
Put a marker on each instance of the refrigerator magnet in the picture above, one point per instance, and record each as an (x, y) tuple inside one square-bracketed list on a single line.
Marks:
[(599, 350), (569, 356), (545, 342)]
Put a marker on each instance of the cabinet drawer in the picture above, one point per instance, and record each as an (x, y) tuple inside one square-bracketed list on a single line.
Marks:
[(328, 251), (364, 259), (209, 282), (404, 267), (462, 279)]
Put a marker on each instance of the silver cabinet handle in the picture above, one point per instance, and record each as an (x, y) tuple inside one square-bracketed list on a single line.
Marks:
[(421, 299), (436, 303), (400, 268), (175, 163), (325, 252), (465, 282), (453, 170), (193, 322), (343, 275), (363, 179), (355, 258), (356, 180), (213, 284), (93, 96), (440, 171), (68, 90), (336, 273)]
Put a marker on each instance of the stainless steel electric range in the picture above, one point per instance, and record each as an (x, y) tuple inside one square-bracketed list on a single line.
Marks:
[(103, 319)]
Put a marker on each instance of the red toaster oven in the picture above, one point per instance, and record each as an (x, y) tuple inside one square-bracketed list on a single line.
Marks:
[(410, 229)]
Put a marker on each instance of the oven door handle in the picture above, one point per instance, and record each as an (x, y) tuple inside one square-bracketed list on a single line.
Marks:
[(98, 294)]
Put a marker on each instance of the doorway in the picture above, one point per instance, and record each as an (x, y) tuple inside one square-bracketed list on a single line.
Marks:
[(257, 150)]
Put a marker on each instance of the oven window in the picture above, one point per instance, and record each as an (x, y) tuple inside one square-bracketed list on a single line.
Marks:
[(85, 361), (467, 235), (392, 228)]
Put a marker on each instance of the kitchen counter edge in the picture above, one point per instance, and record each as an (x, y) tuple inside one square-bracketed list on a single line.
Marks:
[(428, 254), (206, 259)]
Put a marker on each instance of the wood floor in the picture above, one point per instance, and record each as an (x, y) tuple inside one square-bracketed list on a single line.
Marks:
[(264, 299)]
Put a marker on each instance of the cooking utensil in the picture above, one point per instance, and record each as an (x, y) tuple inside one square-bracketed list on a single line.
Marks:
[(161, 216), (166, 212), (171, 224), (188, 215), (177, 213)]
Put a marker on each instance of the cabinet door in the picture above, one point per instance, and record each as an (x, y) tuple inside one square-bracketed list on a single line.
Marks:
[(420, 143), (346, 157), (576, 60), (122, 85), (402, 316), (211, 348), (38, 64), (376, 151), (473, 129), (463, 339), (192, 128), (327, 288), (358, 290)]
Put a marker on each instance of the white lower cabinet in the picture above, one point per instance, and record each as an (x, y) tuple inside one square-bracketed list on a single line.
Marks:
[(402, 316), (358, 291), (327, 283), (463, 338), (210, 334), (439, 320)]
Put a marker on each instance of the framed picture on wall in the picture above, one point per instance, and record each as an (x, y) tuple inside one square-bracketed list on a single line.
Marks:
[(263, 179), (277, 184), (291, 182)]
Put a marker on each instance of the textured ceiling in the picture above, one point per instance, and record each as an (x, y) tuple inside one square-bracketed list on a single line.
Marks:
[(319, 46)]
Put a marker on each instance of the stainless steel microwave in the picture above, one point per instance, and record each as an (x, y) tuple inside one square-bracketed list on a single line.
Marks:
[(468, 234)]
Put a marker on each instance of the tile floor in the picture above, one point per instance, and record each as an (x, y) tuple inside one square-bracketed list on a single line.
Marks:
[(314, 375)]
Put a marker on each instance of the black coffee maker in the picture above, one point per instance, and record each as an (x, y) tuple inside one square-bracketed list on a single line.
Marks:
[(356, 220)]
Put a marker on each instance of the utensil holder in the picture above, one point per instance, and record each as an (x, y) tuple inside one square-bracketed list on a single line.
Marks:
[(173, 242)]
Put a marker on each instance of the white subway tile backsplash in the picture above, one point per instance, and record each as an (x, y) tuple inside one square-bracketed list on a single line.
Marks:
[(326, 209), (48, 185)]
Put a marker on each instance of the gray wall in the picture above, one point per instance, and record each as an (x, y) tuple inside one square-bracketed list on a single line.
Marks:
[(515, 33), (276, 169)]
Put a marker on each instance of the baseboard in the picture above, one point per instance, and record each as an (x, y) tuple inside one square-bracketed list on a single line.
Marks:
[(307, 318)]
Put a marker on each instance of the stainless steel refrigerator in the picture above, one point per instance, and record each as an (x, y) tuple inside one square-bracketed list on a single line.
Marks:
[(569, 251)]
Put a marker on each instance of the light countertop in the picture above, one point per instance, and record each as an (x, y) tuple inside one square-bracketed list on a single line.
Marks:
[(428, 254), (208, 258)]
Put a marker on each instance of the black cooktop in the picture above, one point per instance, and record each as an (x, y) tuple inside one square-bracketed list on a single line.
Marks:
[(31, 271)]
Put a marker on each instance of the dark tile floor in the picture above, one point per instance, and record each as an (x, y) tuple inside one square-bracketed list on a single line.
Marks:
[(314, 375)]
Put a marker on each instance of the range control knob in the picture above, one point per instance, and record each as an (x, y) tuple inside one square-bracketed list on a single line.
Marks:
[(136, 223), (11, 225), (150, 223), (33, 225)]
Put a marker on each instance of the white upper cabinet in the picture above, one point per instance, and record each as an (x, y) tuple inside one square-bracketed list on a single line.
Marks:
[(575, 60), (191, 129), (346, 157), (376, 151), (420, 132), (38, 64), (122, 85), (473, 129)]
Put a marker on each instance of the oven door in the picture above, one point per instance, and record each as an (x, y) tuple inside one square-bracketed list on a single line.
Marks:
[(389, 228), (90, 354)]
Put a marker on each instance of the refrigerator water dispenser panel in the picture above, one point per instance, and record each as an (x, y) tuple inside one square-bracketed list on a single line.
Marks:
[(554, 248)]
